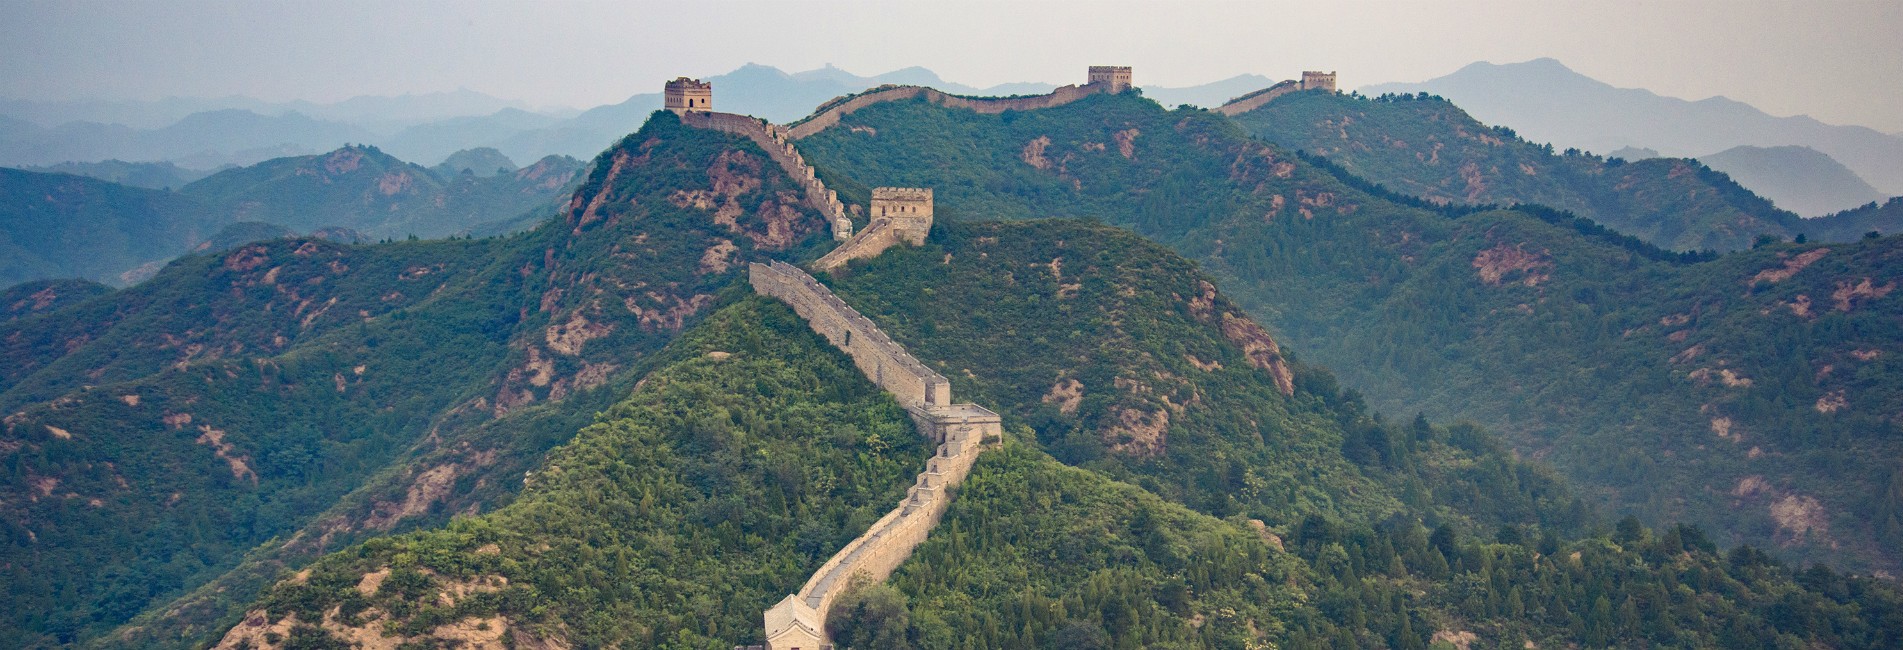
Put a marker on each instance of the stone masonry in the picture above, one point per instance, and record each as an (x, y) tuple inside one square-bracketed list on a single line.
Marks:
[(684, 95), (1318, 80), (773, 139), (1116, 78), (1112, 79), (1311, 80), (899, 214), (798, 622)]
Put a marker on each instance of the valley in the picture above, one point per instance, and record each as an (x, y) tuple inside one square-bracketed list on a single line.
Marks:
[(1246, 396)]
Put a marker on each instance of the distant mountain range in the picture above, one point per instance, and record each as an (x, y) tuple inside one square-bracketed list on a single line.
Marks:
[(1541, 99), (1796, 178), (55, 225), (1546, 101)]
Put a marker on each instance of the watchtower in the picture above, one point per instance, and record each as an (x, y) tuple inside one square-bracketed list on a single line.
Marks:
[(686, 95), (908, 208), (1318, 80), (1115, 77)]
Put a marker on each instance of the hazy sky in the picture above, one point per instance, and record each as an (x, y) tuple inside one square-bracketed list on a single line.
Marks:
[(1841, 62)]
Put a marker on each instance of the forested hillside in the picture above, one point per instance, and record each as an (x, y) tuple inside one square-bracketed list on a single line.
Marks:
[(283, 398), (1427, 147), (65, 226), (1751, 394), (364, 189), (757, 450)]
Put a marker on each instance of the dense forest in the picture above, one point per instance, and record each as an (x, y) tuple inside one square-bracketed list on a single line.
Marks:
[(1424, 146), (257, 406), (590, 435), (697, 471), (1751, 393)]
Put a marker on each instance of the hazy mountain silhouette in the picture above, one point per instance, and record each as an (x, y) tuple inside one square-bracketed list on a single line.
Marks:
[(1796, 178), (1544, 100)]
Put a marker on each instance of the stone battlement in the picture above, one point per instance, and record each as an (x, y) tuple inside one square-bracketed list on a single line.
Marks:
[(1311, 80), (899, 214), (799, 620), (1116, 78), (837, 108), (684, 95), (778, 147), (1318, 80)]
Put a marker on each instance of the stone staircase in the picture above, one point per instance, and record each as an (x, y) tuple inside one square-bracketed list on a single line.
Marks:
[(798, 622), (779, 147)]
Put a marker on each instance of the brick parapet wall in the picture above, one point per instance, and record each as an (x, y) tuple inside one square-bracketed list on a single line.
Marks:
[(961, 430), (829, 115), (1258, 99), (881, 234), (877, 355), (774, 141)]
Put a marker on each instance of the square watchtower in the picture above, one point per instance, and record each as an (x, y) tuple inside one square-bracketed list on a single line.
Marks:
[(686, 95), (1318, 80), (908, 208), (1116, 78)]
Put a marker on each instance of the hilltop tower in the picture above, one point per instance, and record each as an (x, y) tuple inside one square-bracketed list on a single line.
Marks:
[(1115, 77), (1318, 80), (686, 95), (908, 208)]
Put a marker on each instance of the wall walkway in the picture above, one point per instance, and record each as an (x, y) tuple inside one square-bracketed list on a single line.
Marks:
[(962, 430), (780, 148), (829, 114), (1258, 99)]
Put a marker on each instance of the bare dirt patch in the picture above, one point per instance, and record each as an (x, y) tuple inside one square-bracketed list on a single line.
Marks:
[(1494, 264), (1259, 349), (1127, 142), (1067, 394), (1832, 402), (1790, 267), (1848, 293), (1033, 153), (1138, 433), (718, 257), (568, 338), (240, 463), (1798, 517)]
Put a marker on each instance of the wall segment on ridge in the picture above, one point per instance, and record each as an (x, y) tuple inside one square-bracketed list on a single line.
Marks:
[(829, 114), (774, 140), (962, 430), (1258, 98)]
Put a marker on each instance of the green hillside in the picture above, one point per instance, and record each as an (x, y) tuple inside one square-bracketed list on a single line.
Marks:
[(65, 226), (1427, 147), (362, 188), (257, 406), (757, 449), (1623, 365)]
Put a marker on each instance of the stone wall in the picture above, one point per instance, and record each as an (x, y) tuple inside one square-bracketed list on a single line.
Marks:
[(1258, 98), (831, 112), (881, 234), (962, 431), (883, 360), (774, 140)]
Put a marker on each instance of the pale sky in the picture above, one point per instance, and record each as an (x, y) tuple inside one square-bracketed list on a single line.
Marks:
[(1838, 61)]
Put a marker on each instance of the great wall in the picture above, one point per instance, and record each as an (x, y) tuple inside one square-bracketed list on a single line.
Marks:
[(896, 215), (799, 620)]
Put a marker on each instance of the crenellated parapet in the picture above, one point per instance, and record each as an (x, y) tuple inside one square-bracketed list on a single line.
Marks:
[(1311, 80), (774, 140), (899, 215), (961, 431)]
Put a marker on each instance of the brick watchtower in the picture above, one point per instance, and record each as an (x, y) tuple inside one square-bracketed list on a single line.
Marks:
[(1115, 77), (686, 95), (1318, 80), (909, 209)]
